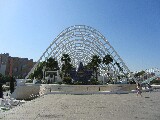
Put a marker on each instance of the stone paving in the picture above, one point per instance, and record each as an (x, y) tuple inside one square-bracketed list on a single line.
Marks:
[(88, 107)]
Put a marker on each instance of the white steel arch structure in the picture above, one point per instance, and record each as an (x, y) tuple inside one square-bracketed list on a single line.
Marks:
[(81, 42)]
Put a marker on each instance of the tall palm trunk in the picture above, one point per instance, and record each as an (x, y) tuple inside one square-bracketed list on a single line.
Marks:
[(96, 74)]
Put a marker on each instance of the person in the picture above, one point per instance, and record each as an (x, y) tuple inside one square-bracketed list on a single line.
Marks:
[(139, 90)]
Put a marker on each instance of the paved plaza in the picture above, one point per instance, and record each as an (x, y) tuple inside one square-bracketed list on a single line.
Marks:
[(88, 107)]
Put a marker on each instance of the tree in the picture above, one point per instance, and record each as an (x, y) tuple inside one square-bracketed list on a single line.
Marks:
[(1, 75), (139, 73), (118, 65), (52, 65), (1, 78), (12, 81), (66, 67), (38, 73), (4, 78), (107, 59), (95, 63), (65, 58), (89, 66)]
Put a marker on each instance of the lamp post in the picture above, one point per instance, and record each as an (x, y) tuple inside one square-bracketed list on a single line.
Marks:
[(103, 75), (44, 67)]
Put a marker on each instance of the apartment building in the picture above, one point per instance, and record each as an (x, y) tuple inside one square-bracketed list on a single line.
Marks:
[(15, 66)]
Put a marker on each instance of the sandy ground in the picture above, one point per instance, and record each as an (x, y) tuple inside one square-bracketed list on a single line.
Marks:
[(89, 107)]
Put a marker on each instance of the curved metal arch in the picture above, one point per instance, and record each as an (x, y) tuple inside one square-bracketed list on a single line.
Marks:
[(93, 50), (100, 46), (66, 45), (54, 55), (94, 45)]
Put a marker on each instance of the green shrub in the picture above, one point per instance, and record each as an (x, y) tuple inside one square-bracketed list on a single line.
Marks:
[(157, 82), (93, 81), (29, 81), (59, 83), (67, 80)]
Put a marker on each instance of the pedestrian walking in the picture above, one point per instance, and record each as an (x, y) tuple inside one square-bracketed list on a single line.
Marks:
[(139, 92)]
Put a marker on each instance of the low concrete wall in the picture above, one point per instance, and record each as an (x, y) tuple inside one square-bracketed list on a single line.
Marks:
[(26, 92), (30, 91), (44, 89)]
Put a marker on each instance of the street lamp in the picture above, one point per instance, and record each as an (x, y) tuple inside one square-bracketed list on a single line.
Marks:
[(44, 67)]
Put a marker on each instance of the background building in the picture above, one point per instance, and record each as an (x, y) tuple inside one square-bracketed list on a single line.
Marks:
[(3, 63), (15, 66)]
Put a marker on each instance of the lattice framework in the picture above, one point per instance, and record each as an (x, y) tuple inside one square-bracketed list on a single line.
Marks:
[(81, 42)]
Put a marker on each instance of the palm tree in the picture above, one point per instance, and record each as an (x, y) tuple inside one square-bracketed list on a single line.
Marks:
[(65, 58), (107, 59), (96, 60), (118, 65), (52, 65), (66, 67)]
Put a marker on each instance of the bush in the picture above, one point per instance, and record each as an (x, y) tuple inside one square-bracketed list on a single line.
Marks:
[(132, 82), (59, 83), (157, 82), (78, 83), (67, 80), (93, 81), (29, 81)]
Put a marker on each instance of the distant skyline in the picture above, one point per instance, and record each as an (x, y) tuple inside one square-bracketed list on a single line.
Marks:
[(27, 27)]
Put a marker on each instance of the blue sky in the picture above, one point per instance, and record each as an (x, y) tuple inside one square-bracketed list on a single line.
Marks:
[(27, 27)]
